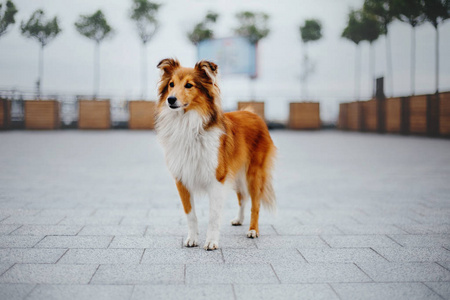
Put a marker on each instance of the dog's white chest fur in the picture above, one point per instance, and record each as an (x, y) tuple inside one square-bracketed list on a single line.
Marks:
[(191, 152)]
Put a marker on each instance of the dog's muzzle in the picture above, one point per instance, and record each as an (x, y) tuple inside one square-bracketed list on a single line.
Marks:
[(172, 102)]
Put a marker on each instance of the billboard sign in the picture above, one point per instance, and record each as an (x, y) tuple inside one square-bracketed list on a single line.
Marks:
[(235, 55)]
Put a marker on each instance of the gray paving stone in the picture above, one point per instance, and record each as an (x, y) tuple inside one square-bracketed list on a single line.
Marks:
[(383, 291), (342, 255), (370, 229), (271, 242), (75, 242), (12, 291), (254, 256), (426, 228), (102, 256), (73, 212), (49, 273), (27, 255), (235, 241), (404, 272), (12, 241), (42, 230), (181, 256), (445, 264), (306, 229), (285, 291), (185, 292), (426, 241), (91, 220), (414, 254), (80, 292), (4, 267), (227, 229), (229, 273), (137, 230), (139, 274), (8, 228), (33, 220), (440, 288), (355, 241), (319, 273), (167, 242)]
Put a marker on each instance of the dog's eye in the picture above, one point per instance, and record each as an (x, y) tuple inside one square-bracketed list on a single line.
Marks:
[(188, 85), (171, 84)]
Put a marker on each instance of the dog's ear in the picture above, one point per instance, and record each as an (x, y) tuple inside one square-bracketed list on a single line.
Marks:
[(168, 65), (209, 68)]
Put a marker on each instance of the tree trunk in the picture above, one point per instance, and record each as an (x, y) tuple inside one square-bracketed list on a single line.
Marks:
[(41, 71), (357, 71), (437, 58), (413, 60), (372, 69), (389, 65), (304, 95), (96, 69), (144, 71)]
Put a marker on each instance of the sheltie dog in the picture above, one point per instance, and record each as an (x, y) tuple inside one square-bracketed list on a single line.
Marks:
[(209, 151)]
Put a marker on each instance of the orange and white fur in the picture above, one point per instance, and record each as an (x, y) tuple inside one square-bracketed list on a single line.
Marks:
[(209, 151)]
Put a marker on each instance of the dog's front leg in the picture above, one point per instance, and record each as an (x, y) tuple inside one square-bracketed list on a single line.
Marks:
[(217, 195), (188, 205)]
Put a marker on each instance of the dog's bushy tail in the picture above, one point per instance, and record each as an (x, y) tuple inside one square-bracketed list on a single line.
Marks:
[(268, 198)]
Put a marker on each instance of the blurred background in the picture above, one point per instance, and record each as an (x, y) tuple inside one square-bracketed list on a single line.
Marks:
[(323, 69)]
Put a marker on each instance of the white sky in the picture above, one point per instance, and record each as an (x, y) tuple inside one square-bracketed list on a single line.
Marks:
[(68, 67)]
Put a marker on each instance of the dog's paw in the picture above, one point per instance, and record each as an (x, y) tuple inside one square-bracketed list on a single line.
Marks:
[(236, 222), (211, 245), (191, 242), (252, 234)]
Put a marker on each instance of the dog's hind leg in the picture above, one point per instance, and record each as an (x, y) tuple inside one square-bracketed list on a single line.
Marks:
[(242, 198), (188, 205), (256, 180)]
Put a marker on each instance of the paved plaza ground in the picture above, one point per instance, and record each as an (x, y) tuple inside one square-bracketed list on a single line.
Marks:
[(96, 215)]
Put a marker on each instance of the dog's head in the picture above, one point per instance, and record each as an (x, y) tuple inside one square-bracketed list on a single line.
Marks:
[(184, 89)]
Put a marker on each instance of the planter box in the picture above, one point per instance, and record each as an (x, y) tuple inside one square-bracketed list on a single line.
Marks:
[(397, 117), (370, 115), (418, 114), (142, 114), (94, 114), (355, 115), (343, 116), (444, 114), (5, 114), (258, 107), (42, 114), (304, 115)]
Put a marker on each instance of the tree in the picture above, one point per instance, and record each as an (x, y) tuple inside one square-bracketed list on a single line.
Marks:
[(309, 32), (353, 32), (7, 16), (96, 28), (44, 32), (383, 12), (436, 12), (143, 12), (371, 30), (411, 12), (253, 26), (202, 31)]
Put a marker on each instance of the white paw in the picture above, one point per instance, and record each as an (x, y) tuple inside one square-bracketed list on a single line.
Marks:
[(252, 234), (191, 242), (211, 245), (236, 222)]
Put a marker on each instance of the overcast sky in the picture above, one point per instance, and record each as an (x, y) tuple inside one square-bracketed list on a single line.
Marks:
[(68, 67)]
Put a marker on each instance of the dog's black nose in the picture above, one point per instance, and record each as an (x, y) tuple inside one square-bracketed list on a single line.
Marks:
[(172, 100)]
